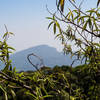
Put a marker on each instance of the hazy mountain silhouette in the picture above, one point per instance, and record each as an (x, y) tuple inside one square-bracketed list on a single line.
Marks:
[(50, 56)]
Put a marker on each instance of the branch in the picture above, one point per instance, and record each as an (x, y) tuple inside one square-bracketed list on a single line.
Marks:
[(68, 21), (40, 59), (10, 79)]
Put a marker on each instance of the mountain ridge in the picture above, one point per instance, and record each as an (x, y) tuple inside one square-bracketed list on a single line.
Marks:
[(51, 57)]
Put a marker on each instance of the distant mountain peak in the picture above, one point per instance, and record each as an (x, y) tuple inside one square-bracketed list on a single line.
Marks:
[(50, 56)]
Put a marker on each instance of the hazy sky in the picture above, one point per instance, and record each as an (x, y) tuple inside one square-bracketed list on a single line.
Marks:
[(27, 20)]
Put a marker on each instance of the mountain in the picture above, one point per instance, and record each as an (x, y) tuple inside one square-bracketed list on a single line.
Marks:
[(51, 57)]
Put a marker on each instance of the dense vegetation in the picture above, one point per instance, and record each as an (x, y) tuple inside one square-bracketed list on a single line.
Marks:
[(82, 82), (52, 84)]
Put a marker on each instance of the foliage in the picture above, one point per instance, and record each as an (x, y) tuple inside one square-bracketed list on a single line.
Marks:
[(61, 3), (76, 29), (79, 32), (60, 82), (54, 86)]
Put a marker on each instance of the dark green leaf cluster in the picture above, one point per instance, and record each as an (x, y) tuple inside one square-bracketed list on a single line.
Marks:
[(53, 84)]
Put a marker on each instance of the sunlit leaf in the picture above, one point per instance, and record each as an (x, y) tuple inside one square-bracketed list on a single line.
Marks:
[(57, 24), (61, 4)]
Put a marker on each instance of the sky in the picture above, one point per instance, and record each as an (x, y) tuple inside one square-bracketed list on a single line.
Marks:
[(27, 20)]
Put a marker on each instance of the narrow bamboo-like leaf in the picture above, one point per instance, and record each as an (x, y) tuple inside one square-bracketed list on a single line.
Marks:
[(13, 94), (57, 24), (5, 93), (76, 17), (85, 25), (6, 97), (5, 34), (28, 93), (49, 18), (90, 23), (92, 10), (58, 4), (82, 18), (57, 35), (54, 28), (73, 1), (98, 3), (4, 51), (46, 96), (11, 48), (71, 14), (11, 33), (2, 88), (95, 24), (7, 66), (62, 5), (50, 24)]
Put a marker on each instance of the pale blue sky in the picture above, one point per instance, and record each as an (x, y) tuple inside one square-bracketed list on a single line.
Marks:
[(27, 20)]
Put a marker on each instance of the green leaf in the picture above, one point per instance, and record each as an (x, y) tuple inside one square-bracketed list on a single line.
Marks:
[(5, 34), (4, 51), (85, 25), (5, 93), (11, 48), (50, 24), (61, 4), (76, 17), (54, 28), (11, 33), (57, 24), (7, 66), (46, 96), (28, 93), (2, 88), (13, 94), (57, 35), (73, 1), (90, 23), (49, 18), (70, 15), (95, 24), (98, 3)]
